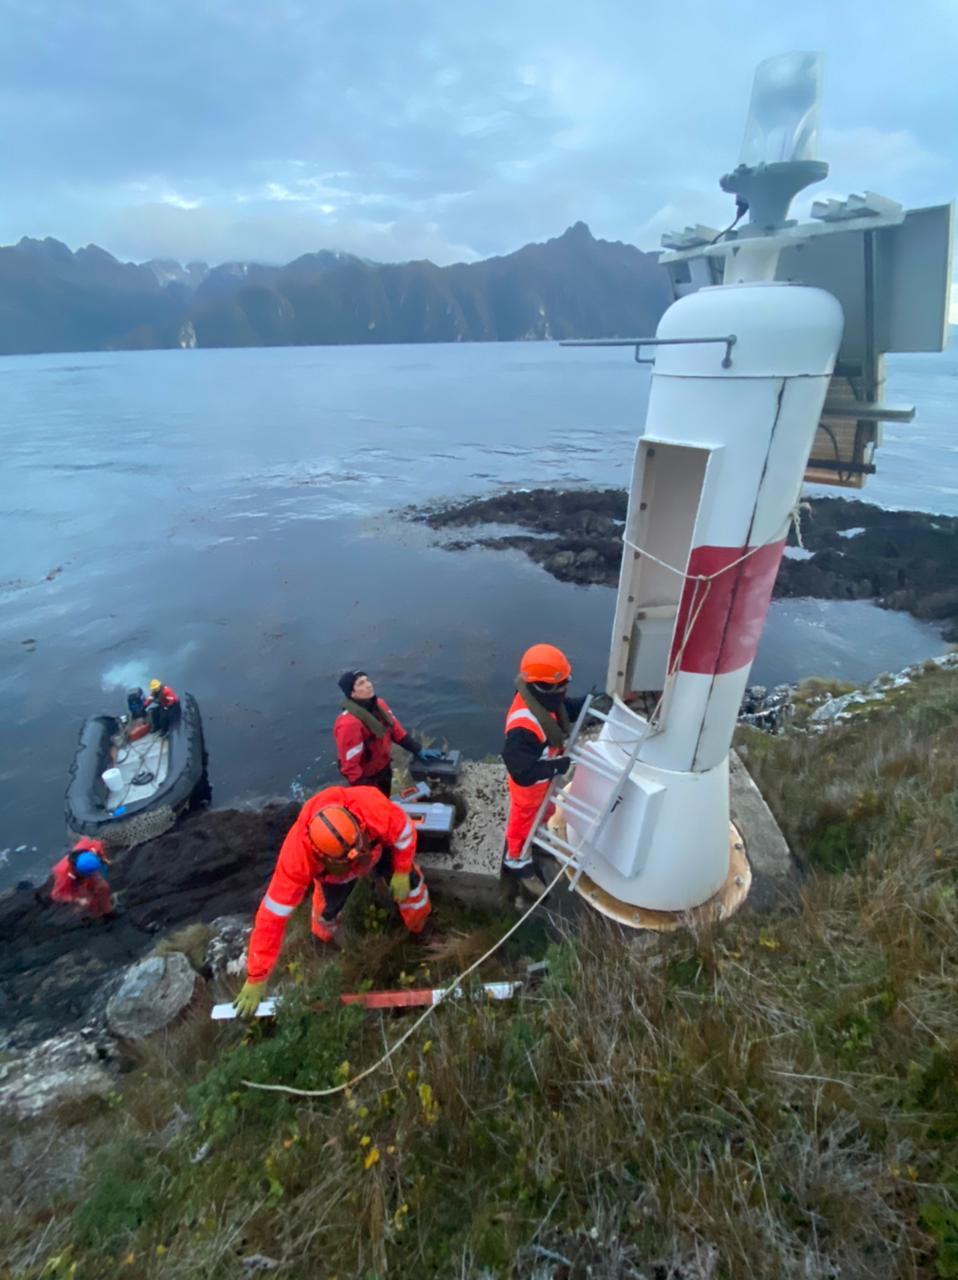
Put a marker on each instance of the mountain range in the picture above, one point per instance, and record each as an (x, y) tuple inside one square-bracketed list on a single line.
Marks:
[(573, 286)]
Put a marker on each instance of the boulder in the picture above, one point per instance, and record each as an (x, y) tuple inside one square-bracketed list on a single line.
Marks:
[(63, 1069), (153, 994)]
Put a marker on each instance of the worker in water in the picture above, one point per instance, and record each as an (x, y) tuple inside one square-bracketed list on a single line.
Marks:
[(538, 724), (79, 879), (364, 732), (162, 707), (341, 835)]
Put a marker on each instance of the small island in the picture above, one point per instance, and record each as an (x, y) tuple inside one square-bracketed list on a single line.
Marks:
[(850, 550)]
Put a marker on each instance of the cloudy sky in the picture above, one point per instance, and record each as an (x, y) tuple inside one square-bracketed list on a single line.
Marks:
[(224, 129)]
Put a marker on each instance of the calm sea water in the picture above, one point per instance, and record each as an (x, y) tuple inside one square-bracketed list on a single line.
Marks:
[(221, 519)]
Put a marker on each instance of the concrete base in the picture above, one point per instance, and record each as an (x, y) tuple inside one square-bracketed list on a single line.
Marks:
[(720, 906), (775, 873), (470, 871)]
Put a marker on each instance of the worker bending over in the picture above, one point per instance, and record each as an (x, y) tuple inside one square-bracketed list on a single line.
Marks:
[(162, 707), (364, 733), (79, 880), (341, 835), (538, 724)]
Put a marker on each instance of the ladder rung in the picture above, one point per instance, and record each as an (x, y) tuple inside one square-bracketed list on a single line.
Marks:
[(549, 838), (597, 715), (590, 762), (567, 859), (579, 808), (566, 800)]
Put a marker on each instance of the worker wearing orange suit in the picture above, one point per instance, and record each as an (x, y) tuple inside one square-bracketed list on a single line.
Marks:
[(79, 880), (538, 724), (364, 732), (341, 835)]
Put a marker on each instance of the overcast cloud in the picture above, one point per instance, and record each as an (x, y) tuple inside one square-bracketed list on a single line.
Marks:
[(395, 129)]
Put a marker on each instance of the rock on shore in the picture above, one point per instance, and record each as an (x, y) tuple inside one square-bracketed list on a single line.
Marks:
[(212, 864)]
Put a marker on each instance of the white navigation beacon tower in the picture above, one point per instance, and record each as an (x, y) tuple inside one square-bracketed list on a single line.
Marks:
[(768, 368)]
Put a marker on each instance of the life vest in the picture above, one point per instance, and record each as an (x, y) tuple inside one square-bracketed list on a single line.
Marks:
[(363, 741), (521, 716)]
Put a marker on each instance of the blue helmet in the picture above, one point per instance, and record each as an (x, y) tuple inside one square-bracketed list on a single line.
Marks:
[(88, 864)]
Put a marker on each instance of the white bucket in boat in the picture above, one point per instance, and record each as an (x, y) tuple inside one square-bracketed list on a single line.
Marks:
[(113, 779)]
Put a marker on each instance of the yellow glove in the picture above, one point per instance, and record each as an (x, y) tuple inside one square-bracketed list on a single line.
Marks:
[(247, 1002), (399, 885)]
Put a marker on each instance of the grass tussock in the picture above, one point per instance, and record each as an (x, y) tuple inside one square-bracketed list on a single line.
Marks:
[(775, 1097), (192, 941)]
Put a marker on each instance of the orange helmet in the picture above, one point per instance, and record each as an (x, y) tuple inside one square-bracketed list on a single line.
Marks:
[(545, 664), (333, 831)]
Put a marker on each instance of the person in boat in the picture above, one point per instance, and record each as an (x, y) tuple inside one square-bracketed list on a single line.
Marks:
[(136, 704), (341, 835), (538, 724), (162, 707), (79, 880), (364, 732)]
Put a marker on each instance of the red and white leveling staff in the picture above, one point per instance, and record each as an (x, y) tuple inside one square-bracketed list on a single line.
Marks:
[(403, 999)]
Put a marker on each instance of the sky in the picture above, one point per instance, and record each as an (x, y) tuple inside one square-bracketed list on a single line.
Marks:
[(396, 129)]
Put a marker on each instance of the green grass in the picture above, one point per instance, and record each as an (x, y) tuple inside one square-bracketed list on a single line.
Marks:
[(774, 1097)]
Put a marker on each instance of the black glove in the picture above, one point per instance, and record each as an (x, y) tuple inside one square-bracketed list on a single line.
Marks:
[(562, 766)]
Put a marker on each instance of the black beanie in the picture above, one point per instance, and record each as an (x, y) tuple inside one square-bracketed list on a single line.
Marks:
[(347, 680)]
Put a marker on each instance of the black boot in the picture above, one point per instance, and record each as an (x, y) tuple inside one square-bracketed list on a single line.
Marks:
[(524, 882)]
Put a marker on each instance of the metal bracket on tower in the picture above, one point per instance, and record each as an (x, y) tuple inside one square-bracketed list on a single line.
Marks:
[(728, 342)]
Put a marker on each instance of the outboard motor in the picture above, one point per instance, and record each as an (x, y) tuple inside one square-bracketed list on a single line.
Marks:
[(136, 703)]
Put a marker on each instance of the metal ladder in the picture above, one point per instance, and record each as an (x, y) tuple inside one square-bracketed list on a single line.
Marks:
[(556, 846)]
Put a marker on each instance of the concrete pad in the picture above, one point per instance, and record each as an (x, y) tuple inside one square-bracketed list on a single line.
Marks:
[(775, 873), (470, 871)]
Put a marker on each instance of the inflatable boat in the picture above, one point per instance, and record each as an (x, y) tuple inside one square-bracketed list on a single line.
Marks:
[(129, 783)]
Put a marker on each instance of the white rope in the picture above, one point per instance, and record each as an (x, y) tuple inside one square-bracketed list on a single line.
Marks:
[(140, 757), (341, 1088), (795, 518), (709, 577), (696, 607)]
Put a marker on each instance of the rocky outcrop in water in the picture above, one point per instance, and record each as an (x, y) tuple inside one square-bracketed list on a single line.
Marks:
[(905, 560)]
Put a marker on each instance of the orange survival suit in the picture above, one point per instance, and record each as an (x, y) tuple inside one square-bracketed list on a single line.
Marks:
[(391, 848), (89, 894), (531, 759)]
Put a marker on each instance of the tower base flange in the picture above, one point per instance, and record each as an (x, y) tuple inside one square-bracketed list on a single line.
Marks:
[(725, 902)]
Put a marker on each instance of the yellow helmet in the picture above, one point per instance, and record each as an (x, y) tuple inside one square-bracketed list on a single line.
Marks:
[(155, 685)]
